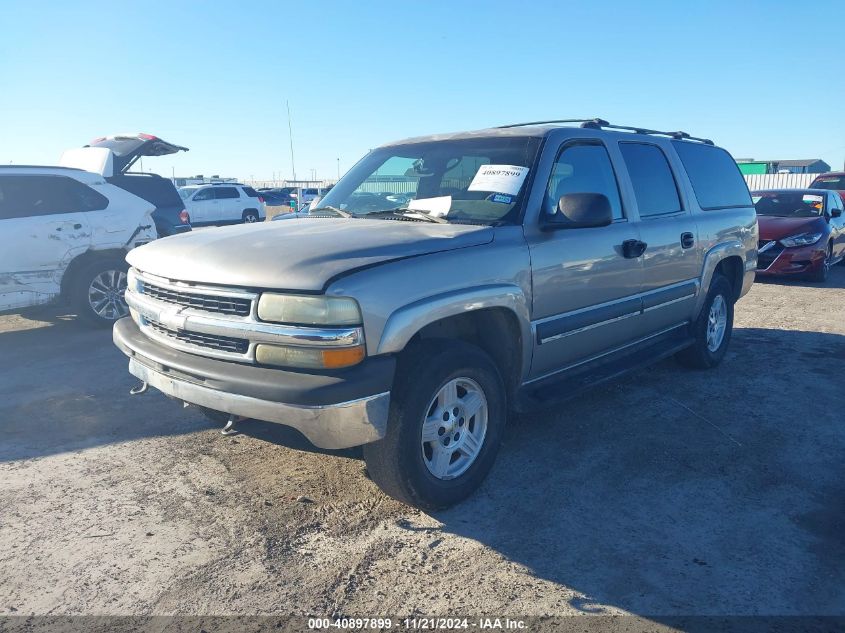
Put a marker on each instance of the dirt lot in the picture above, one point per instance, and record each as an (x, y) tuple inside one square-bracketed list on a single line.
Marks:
[(668, 492)]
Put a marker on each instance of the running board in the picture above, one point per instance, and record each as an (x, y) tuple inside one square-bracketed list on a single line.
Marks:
[(568, 384)]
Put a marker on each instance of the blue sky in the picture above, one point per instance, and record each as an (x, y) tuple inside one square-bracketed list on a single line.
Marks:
[(763, 79)]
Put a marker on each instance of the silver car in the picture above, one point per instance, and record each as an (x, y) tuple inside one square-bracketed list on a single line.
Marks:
[(445, 282)]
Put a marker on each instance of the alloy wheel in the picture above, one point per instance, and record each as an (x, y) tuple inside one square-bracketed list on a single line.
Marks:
[(454, 429), (717, 322), (106, 295)]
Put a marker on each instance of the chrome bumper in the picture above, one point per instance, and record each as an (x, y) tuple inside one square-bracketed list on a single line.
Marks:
[(332, 426)]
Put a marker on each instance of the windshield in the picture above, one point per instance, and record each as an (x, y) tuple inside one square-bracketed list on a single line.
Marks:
[(474, 180), (186, 193), (788, 204), (830, 182)]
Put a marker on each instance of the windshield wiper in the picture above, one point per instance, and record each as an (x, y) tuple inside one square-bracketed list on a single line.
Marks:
[(419, 214), (340, 212)]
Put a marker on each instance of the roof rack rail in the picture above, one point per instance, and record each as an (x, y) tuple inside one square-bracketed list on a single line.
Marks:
[(597, 124), (593, 123)]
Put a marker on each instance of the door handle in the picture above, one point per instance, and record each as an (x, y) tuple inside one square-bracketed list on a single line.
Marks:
[(687, 240), (631, 249)]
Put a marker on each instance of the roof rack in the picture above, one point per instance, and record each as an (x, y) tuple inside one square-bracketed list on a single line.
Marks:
[(598, 124)]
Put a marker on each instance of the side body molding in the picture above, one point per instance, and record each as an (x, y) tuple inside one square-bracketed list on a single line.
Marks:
[(410, 319)]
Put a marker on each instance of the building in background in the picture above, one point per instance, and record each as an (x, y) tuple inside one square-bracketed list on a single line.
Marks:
[(749, 166)]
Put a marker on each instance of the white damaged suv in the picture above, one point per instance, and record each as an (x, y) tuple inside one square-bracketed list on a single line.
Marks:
[(65, 232)]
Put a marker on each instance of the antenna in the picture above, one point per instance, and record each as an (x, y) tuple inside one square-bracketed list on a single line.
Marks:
[(290, 135)]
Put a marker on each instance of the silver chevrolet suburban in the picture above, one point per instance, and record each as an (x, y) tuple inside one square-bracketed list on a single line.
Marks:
[(445, 282)]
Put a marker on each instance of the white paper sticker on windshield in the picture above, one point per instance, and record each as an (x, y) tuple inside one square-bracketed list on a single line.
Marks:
[(438, 206), (505, 179)]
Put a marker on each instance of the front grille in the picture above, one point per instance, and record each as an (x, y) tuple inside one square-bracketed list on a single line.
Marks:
[(207, 341), (207, 302), (765, 258)]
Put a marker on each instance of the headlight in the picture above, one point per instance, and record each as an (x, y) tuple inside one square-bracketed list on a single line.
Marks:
[(308, 310), (805, 239)]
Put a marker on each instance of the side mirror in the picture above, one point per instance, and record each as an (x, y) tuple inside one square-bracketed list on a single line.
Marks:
[(835, 213), (579, 211)]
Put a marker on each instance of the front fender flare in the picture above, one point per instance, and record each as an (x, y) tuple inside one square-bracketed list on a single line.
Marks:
[(405, 322)]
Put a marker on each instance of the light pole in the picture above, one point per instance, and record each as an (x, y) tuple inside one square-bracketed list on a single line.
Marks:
[(338, 168)]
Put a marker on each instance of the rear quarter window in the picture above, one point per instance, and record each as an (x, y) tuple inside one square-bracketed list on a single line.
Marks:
[(226, 192), (715, 176), (252, 193)]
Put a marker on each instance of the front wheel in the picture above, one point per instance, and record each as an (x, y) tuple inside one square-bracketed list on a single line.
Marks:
[(712, 330), (821, 274), (97, 291), (447, 415)]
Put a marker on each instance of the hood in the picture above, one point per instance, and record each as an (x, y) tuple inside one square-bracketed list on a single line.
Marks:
[(775, 228), (300, 254)]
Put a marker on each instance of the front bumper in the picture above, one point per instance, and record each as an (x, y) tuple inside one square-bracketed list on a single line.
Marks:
[(796, 260), (334, 410)]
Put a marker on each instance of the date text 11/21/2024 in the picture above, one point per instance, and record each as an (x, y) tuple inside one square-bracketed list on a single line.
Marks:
[(416, 624)]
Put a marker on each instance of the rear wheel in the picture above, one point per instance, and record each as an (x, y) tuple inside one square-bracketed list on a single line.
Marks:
[(712, 330), (97, 291), (447, 415), (250, 217)]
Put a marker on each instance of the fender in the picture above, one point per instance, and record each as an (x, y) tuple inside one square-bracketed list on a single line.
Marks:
[(712, 259), (405, 322)]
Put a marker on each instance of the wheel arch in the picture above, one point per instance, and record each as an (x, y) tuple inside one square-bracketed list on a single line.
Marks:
[(84, 258), (729, 259), (487, 317)]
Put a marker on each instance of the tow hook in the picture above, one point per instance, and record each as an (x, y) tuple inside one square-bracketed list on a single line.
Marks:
[(230, 429), (139, 389)]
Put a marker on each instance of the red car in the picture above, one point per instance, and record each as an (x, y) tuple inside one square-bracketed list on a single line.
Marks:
[(802, 231), (833, 180)]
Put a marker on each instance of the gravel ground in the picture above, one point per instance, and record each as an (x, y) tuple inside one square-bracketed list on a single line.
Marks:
[(668, 492)]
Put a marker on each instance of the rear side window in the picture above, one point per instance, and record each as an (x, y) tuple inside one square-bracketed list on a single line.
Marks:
[(715, 177), (155, 189), (252, 193), (222, 193), (651, 176), (30, 196)]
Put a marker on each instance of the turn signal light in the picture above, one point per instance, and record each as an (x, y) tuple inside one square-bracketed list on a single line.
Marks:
[(309, 357)]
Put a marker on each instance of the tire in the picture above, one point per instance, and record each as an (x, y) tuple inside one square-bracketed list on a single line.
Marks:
[(96, 291), (821, 274), (250, 216), (402, 464), (717, 312)]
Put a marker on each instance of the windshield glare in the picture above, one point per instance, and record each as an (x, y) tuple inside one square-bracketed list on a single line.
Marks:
[(787, 204), (444, 178)]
